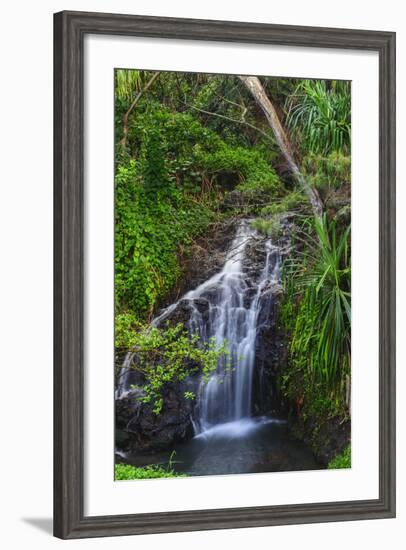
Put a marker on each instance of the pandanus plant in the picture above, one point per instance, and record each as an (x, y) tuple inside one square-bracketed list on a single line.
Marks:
[(319, 113), (321, 335)]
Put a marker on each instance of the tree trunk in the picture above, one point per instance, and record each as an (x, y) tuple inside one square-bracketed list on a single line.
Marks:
[(255, 87)]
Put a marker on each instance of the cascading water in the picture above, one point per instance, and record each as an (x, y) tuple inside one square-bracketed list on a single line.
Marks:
[(237, 304), (125, 377)]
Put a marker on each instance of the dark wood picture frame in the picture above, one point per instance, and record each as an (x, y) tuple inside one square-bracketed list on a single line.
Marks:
[(69, 31)]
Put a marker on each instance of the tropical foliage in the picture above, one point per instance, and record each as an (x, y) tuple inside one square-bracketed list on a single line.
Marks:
[(322, 330), (319, 112), (128, 83), (192, 142), (317, 311)]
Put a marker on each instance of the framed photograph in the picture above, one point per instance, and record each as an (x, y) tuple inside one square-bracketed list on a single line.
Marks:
[(224, 275)]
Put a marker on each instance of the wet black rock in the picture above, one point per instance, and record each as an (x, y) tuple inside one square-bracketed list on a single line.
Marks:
[(180, 315), (183, 311), (326, 437), (202, 259), (139, 429)]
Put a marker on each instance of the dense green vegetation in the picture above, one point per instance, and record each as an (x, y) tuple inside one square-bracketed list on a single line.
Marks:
[(169, 194), (184, 144), (316, 310)]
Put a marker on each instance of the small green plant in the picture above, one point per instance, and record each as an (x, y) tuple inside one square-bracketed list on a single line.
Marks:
[(125, 328), (343, 460), (190, 395)]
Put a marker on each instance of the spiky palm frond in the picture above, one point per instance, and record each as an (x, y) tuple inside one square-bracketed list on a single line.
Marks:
[(323, 325), (320, 113)]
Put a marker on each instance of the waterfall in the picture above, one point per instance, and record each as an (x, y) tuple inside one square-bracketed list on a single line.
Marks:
[(123, 385), (237, 303)]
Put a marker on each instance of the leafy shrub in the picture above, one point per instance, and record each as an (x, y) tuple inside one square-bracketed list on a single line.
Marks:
[(196, 154), (252, 172), (125, 328), (151, 223), (170, 355)]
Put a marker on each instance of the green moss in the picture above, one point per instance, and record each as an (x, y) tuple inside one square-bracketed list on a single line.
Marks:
[(343, 460), (128, 472)]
